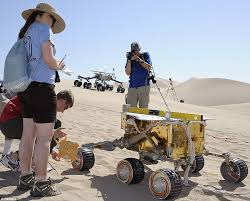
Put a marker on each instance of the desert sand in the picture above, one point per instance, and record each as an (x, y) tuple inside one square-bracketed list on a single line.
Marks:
[(95, 117), (213, 91)]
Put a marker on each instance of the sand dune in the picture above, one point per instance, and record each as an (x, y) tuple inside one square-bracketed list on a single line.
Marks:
[(213, 91), (95, 117), (164, 83)]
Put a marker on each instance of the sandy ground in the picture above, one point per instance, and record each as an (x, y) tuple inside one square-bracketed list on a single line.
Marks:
[(95, 117)]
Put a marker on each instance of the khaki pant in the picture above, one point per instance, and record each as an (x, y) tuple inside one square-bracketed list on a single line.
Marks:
[(138, 95)]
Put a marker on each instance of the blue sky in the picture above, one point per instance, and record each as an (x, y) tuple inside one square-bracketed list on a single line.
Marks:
[(194, 38)]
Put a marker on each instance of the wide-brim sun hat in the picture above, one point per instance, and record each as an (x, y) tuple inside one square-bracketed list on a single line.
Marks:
[(59, 25)]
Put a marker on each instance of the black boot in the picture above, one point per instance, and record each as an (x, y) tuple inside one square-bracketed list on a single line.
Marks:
[(26, 182)]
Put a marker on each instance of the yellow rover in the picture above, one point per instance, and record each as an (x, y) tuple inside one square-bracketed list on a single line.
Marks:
[(158, 135), (168, 136)]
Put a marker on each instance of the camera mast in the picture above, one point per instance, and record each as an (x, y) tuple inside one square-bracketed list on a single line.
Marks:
[(171, 88)]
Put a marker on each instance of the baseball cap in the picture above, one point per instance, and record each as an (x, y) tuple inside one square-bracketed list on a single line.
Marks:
[(135, 46)]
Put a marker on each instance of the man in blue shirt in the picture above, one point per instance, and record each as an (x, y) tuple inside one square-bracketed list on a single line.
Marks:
[(138, 67)]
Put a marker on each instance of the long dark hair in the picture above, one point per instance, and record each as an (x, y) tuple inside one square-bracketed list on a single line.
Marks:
[(29, 21)]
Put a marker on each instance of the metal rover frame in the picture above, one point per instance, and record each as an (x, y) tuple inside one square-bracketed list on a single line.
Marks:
[(173, 136)]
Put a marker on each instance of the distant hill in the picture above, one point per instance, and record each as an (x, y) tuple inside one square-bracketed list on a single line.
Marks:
[(213, 91)]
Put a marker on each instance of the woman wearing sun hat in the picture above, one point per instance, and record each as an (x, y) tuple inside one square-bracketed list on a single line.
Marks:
[(39, 99)]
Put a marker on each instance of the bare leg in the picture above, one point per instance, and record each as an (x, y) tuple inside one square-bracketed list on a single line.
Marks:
[(26, 145), (41, 152)]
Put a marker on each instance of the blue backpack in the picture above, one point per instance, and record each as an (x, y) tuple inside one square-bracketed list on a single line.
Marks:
[(16, 76)]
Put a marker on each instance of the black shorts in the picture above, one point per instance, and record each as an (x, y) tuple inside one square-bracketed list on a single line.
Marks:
[(13, 128), (39, 102)]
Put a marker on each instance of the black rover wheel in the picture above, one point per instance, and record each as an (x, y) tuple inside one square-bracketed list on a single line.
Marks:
[(89, 85), (76, 83), (85, 85), (235, 171), (165, 183), (130, 171), (122, 90), (197, 165), (107, 86), (100, 87), (79, 84), (111, 87), (85, 159)]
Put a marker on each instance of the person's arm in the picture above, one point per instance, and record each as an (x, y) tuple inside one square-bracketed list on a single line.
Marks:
[(49, 59), (128, 67), (45, 37), (144, 64), (58, 133), (147, 64)]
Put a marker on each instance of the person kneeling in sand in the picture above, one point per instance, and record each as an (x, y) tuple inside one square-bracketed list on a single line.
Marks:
[(11, 125)]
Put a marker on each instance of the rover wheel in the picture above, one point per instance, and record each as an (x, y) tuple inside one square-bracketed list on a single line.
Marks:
[(111, 87), (197, 165), (165, 183), (85, 85), (102, 88), (122, 90), (89, 85), (76, 83), (118, 90), (107, 86), (130, 171), (79, 84), (98, 87), (85, 159), (235, 171)]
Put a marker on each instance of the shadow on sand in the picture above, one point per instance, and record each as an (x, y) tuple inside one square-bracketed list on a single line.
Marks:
[(75, 172), (9, 178), (111, 189)]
